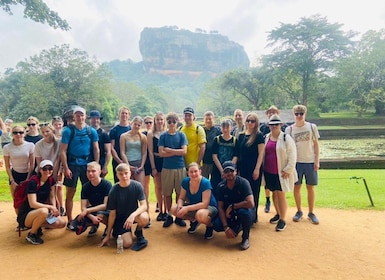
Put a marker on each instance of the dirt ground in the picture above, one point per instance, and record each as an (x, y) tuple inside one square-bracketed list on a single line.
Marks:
[(345, 245)]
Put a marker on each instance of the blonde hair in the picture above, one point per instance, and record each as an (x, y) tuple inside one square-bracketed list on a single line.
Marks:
[(54, 138), (32, 118), (272, 108), (122, 167), (18, 126), (121, 109), (157, 115), (94, 164), (300, 108)]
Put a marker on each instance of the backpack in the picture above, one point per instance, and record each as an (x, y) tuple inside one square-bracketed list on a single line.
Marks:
[(72, 135), (20, 195)]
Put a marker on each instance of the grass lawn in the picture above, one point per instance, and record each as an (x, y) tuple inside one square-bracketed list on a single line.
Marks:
[(335, 190)]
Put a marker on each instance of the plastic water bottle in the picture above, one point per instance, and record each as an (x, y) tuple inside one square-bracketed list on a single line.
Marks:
[(119, 245)]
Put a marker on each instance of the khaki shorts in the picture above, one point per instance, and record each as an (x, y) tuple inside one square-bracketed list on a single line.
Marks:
[(172, 179)]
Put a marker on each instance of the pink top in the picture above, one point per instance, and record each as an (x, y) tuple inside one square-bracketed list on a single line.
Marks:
[(271, 164)]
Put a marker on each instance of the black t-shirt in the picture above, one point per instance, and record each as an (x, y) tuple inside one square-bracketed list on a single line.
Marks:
[(225, 149), (248, 155), (125, 200), (96, 194), (33, 139), (238, 193), (210, 137), (104, 138)]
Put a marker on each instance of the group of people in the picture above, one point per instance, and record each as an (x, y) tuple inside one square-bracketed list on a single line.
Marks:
[(215, 172)]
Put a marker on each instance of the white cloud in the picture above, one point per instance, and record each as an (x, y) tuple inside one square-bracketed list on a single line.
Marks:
[(111, 29)]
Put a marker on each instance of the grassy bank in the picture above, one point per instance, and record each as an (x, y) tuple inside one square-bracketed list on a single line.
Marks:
[(336, 189)]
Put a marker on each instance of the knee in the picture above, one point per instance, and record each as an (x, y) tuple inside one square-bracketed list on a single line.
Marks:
[(143, 219), (60, 223), (202, 216)]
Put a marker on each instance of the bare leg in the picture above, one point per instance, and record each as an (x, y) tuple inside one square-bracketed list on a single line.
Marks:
[(297, 196), (70, 193), (310, 197)]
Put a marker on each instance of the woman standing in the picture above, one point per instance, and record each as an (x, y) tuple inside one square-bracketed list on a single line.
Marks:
[(157, 162), (133, 149), (57, 124), (279, 168), (35, 212), (20, 155), (251, 153), (48, 149), (33, 134), (148, 123), (196, 201)]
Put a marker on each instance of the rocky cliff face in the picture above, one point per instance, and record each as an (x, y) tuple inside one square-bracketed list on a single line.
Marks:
[(169, 50)]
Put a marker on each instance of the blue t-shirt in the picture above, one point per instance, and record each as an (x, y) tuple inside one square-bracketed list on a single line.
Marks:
[(173, 141), (197, 197), (79, 149), (115, 133)]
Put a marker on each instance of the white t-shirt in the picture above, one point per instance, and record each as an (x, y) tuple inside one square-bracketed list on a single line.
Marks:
[(19, 155), (303, 137), (46, 150)]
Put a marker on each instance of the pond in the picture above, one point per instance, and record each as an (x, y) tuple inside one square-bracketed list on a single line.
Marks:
[(352, 148)]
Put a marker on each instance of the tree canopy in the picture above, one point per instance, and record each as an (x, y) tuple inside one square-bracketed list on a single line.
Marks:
[(38, 11)]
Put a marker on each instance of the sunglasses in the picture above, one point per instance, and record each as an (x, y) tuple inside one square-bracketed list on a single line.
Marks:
[(299, 114), (148, 122), (31, 124), (17, 132), (170, 122), (226, 171), (47, 168), (251, 121), (57, 118)]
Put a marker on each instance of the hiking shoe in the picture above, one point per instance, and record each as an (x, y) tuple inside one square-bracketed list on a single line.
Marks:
[(39, 232), (140, 243), (168, 222), (245, 244), (160, 216), (180, 222), (275, 219), (298, 216), (267, 206), (193, 227), (34, 239), (281, 225), (70, 226), (93, 230), (313, 218), (62, 211), (209, 233)]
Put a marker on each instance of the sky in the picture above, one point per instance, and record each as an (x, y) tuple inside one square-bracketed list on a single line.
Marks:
[(110, 30)]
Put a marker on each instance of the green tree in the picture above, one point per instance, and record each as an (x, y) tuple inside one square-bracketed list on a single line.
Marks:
[(362, 75), (38, 11), (47, 83), (305, 49)]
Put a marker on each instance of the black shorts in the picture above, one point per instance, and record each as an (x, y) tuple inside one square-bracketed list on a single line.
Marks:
[(272, 181)]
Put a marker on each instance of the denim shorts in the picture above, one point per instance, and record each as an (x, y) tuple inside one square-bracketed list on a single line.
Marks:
[(306, 170)]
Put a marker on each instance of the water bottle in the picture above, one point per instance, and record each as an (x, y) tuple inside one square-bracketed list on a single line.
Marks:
[(119, 245)]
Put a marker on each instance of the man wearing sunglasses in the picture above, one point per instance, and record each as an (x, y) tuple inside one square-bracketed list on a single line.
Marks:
[(235, 205), (305, 135)]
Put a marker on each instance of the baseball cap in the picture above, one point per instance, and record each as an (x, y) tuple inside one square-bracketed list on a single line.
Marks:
[(188, 110), (45, 163), (95, 114), (79, 109), (228, 165)]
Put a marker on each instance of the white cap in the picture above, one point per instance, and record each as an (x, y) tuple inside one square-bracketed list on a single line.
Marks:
[(79, 109), (45, 163)]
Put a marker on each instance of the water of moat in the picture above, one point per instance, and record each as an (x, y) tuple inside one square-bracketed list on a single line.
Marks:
[(352, 148)]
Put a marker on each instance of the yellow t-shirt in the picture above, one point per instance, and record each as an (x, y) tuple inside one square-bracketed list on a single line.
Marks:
[(195, 135)]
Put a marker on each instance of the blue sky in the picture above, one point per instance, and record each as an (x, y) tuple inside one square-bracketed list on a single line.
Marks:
[(111, 29)]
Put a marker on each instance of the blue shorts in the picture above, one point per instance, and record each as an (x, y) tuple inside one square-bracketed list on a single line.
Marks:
[(78, 171), (306, 170)]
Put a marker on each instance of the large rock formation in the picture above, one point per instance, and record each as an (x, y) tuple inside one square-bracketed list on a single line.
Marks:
[(169, 50)]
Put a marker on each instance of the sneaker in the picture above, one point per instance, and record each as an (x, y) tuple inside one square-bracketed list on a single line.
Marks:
[(148, 225), (245, 244), (34, 239), (313, 218), (82, 227), (93, 230), (168, 222), (180, 222), (267, 206), (160, 217), (62, 211), (209, 233), (157, 208), (70, 226), (281, 225), (39, 232), (21, 228), (275, 219), (193, 227), (298, 216)]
